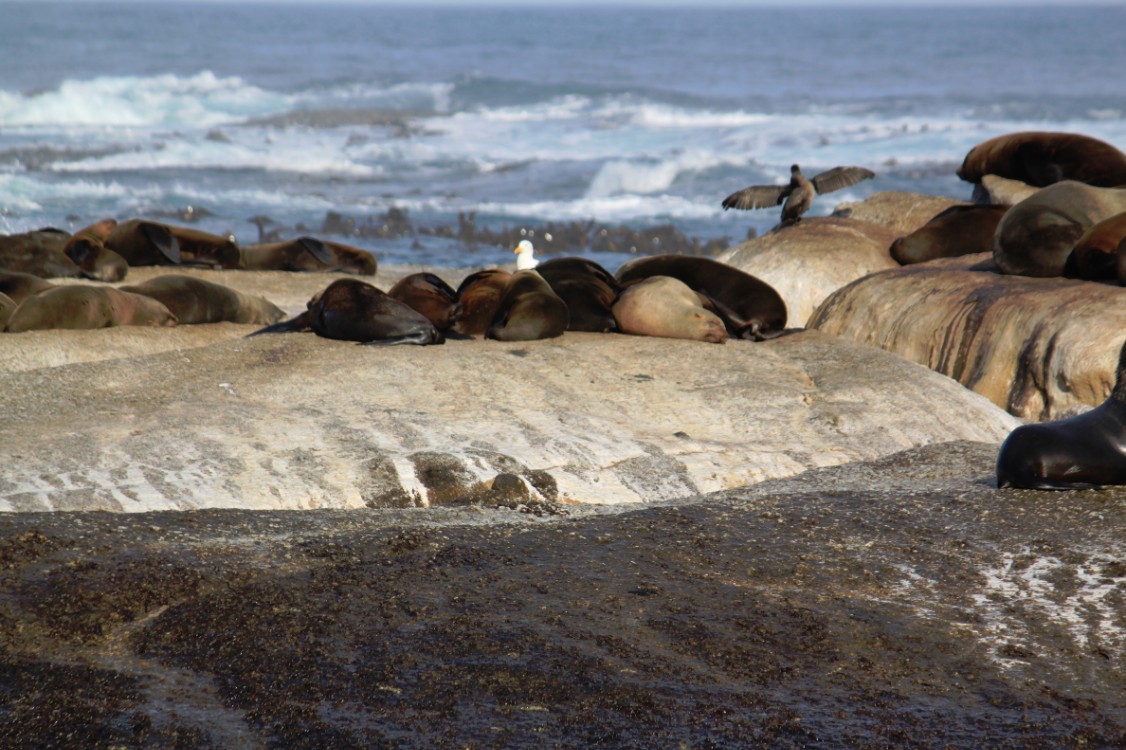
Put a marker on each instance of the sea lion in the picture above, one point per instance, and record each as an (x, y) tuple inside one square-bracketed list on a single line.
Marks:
[(1035, 237), (798, 194), (588, 289), (353, 310), (38, 252), (194, 301), (959, 230), (529, 310), (1095, 255), (80, 306), (1088, 450), (20, 286), (430, 295), (751, 308), (667, 307), (1045, 158), (199, 248), (307, 254), (7, 305), (144, 243), (479, 295), (95, 261)]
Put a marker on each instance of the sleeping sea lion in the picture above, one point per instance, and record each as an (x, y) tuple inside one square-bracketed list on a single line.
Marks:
[(79, 306), (1044, 158), (353, 310), (194, 301), (667, 307), (144, 243), (1035, 237), (95, 261), (588, 289), (307, 254), (1096, 255), (798, 194), (751, 308), (430, 295), (19, 286), (959, 230), (529, 310), (479, 295), (205, 249), (38, 252), (7, 305), (1088, 450)]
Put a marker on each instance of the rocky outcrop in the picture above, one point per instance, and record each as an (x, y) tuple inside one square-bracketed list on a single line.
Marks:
[(1039, 347), (900, 211), (299, 421), (807, 262)]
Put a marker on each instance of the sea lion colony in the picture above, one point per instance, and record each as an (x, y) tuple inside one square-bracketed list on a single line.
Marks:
[(1074, 225)]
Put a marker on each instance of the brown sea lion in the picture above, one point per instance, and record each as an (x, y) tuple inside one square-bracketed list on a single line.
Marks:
[(38, 252), (751, 308), (430, 295), (959, 230), (798, 194), (144, 243), (80, 306), (19, 286), (529, 310), (1044, 158), (95, 261), (1035, 237), (1088, 450), (205, 249), (7, 305), (588, 289), (194, 301), (307, 254), (1095, 255), (667, 307), (353, 310), (479, 295)]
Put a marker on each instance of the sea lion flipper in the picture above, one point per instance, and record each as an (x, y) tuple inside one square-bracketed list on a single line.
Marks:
[(300, 323), (161, 238), (420, 338), (318, 250)]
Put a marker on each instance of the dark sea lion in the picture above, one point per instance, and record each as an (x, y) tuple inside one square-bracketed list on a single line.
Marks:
[(1035, 237), (588, 289), (959, 230), (1088, 450), (205, 249), (307, 254), (1044, 158), (353, 310), (38, 252), (19, 285), (667, 307), (798, 194), (95, 261), (751, 308), (529, 310), (80, 306), (7, 305), (479, 295), (430, 295), (144, 243), (194, 301), (1096, 255)]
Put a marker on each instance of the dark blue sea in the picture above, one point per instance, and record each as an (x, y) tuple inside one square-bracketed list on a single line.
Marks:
[(516, 117)]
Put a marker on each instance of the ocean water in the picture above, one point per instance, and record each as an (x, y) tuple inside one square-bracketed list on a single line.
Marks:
[(518, 118)]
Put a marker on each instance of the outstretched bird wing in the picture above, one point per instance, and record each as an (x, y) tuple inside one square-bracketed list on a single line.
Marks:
[(840, 177), (757, 196)]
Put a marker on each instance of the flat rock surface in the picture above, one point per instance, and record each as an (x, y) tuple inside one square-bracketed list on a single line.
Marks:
[(1042, 348), (903, 602), (297, 421)]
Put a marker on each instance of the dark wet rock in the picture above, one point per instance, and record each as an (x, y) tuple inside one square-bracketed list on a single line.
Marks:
[(902, 602)]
